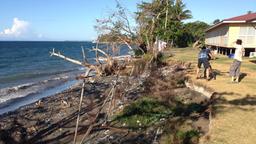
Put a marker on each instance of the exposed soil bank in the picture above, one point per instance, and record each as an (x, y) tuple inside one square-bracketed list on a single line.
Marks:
[(53, 119)]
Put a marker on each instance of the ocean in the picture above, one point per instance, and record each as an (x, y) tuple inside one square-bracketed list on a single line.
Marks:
[(28, 72)]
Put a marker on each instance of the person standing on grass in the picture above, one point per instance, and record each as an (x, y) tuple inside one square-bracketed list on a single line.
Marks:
[(235, 66), (210, 57), (203, 58)]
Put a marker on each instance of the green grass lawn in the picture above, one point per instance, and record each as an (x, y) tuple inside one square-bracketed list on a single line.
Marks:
[(235, 114), (190, 55)]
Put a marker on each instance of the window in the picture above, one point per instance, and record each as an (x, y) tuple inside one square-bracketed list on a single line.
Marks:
[(248, 35)]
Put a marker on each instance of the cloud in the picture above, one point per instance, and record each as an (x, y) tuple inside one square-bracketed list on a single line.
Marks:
[(19, 29)]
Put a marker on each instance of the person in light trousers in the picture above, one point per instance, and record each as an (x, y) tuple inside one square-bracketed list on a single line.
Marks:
[(236, 65)]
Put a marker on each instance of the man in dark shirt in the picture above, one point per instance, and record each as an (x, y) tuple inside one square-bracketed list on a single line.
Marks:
[(203, 58)]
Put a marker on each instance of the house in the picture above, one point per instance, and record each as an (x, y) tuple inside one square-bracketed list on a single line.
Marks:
[(222, 36)]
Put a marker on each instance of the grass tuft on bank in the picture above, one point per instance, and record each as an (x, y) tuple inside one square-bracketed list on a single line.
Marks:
[(143, 113)]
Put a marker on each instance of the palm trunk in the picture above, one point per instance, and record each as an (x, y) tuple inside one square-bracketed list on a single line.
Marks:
[(166, 18), (166, 15)]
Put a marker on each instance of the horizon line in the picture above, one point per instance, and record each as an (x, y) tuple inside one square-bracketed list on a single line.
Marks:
[(45, 40)]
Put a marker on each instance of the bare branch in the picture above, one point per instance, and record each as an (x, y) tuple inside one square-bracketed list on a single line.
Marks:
[(97, 55), (120, 58), (53, 53), (129, 46), (101, 51), (84, 57), (109, 96)]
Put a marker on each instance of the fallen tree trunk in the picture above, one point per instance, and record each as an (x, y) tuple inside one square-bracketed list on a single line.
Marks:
[(53, 53), (96, 68), (106, 65)]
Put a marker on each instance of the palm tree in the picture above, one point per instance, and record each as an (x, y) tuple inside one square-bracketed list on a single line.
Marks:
[(180, 12), (161, 18), (149, 19)]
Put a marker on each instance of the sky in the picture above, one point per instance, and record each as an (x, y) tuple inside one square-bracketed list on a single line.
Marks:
[(59, 20)]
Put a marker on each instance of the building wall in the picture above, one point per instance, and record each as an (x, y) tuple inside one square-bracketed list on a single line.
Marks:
[(234, 34), (246, 32), (218, 36), (226, 35)]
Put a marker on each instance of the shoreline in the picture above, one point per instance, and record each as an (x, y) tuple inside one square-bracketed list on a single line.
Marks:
[(53, 119), (16, 103), (43, 120)]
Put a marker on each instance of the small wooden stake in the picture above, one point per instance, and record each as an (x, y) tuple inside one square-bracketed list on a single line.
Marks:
[(78, 115)]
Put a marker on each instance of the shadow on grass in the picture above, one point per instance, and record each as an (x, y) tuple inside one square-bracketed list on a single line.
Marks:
[(249, 100), (219, 103), (253, 61), (242, 76)]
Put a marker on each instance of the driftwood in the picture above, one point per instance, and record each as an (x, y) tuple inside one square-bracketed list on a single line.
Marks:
[(109, 98), (81, 96), (196, 44), (106, 65), (79, 109), (53, 53), (118, 58)]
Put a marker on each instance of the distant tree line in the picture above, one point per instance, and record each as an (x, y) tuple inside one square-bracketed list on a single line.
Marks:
[(158, 19)]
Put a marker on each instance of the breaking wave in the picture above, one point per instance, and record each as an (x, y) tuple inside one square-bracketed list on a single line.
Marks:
[(23, 90)]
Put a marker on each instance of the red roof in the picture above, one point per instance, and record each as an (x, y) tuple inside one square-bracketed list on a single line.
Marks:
[(246, 17)]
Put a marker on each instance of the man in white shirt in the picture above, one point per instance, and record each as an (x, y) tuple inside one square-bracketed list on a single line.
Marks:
[(235, 66)]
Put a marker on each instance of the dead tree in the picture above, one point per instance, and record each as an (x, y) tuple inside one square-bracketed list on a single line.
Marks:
[(106, 65)]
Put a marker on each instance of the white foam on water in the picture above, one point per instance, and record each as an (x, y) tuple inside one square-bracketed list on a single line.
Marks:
[(23, 90), (19, 102)]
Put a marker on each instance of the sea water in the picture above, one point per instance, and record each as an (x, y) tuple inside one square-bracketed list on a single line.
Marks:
[(28, 72)]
